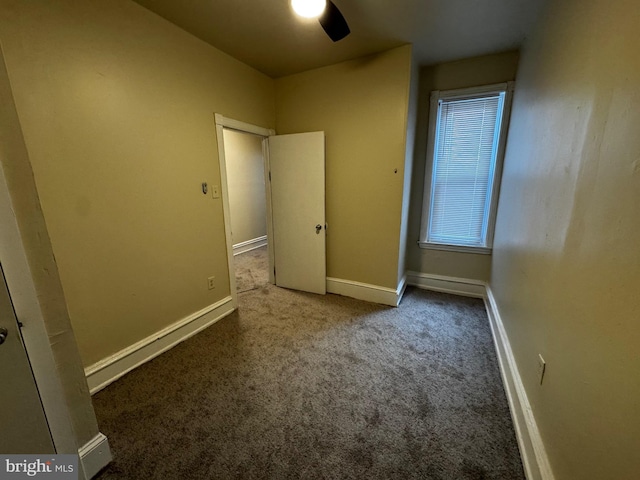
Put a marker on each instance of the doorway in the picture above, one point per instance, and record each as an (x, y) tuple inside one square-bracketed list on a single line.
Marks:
[(244, 279), (246, 184), (294, 177)]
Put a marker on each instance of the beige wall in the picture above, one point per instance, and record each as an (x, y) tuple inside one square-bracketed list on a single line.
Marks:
[(566, 262), (117, 106), (32, 278), (471, 72), (245, 180), (362, 107)]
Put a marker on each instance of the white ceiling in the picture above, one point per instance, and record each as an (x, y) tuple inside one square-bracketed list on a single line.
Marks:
[(268, 36)]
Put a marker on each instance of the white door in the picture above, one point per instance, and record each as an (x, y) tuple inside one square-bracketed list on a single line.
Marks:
[(22, 421), (298, 211)]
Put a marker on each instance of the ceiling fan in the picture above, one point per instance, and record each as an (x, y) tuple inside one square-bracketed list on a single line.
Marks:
[(328, 15)]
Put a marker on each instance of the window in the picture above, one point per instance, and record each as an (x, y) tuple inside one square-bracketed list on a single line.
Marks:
[(467, 134)]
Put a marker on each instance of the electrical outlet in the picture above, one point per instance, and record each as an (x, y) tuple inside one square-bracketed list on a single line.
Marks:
[(211, 283), (215, 191), (542, 365)]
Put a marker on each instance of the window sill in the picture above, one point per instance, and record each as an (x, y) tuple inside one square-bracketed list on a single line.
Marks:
[(456, 248)]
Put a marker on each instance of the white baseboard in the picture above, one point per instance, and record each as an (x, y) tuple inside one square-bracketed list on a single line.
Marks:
[(94, 455), (108, 370), (532, 451), (249, 245), (534, 456), (365, 291), (459, 286)]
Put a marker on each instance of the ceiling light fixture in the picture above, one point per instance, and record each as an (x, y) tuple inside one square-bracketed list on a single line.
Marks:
[(327, 13), (309, 8)]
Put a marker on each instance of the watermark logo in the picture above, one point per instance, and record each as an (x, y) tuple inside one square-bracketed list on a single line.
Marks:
[(50, 467)]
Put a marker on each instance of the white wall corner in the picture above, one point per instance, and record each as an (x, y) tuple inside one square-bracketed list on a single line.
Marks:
[(365, 291), (95, 455), (458, 286), (108, 370), (532, 451)]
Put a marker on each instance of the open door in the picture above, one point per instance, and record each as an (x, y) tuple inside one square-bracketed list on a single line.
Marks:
[(297, 170)]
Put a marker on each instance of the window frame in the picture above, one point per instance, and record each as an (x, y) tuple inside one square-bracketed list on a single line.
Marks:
[(459, 94)]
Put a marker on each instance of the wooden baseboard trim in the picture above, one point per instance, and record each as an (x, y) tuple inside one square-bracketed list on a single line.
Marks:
[(365, 291), (249, 245), (108, 370), (459, 286), (94, 455), (532, 450)]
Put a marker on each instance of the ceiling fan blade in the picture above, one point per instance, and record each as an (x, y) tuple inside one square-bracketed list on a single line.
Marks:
[(333, 22)]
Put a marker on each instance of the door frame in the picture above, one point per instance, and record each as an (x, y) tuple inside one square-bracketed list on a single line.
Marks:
[(20, 281), (33, 283), (23, 292), (223, 122), (26, 380)]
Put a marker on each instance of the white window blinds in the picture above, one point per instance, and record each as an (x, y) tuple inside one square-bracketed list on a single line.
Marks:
[(464, 162)]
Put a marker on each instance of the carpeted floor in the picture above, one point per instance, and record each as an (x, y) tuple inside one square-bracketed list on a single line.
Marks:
[(302, 386), (251, 269)]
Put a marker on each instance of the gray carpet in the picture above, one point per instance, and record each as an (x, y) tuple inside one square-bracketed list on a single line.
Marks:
[(301, 386), (251, 269)]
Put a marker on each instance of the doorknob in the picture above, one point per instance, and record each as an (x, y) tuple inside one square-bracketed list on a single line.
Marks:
[(3, 335), (318, 228)]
